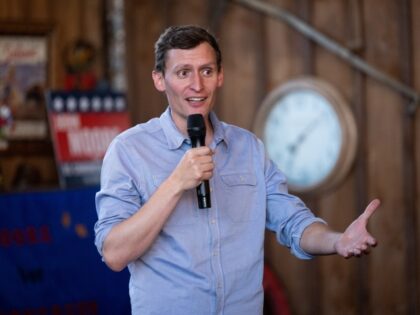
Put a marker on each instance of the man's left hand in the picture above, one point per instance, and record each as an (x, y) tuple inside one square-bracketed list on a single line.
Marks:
[(356, 240)]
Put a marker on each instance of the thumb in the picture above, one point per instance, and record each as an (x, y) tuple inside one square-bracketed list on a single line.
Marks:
[(370, 209)]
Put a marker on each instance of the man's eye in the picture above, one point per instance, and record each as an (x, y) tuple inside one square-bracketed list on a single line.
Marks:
[(208, 72), (182, 73)]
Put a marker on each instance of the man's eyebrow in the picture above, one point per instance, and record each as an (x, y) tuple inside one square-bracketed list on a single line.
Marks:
[(210, 64), (182, 66), (187, 66)]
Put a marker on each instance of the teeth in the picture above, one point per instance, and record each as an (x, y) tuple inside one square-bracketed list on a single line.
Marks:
[(196, 99)]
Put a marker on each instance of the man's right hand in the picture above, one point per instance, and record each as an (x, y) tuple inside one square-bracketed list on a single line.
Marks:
[(195, 166)]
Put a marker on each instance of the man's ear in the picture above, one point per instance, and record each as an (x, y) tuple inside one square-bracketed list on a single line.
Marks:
[(158, 80), (220, 77)]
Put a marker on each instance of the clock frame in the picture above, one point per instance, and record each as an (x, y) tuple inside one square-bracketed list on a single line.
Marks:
[(346, 121)]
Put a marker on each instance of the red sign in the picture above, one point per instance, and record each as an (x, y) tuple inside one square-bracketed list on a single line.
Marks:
[(82, 127), (85, 137)]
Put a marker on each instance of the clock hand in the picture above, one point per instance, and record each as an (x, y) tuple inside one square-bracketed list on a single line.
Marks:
[(302, 136)]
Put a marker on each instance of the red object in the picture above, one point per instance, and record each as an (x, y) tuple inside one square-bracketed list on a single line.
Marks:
[(80, 82), (85, 136), (275, 301)]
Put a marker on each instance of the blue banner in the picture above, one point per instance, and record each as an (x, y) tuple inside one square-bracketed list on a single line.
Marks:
[(48, 261)]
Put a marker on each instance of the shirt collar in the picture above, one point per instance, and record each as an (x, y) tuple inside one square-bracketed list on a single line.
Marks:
[(175, 138), (218, 129)]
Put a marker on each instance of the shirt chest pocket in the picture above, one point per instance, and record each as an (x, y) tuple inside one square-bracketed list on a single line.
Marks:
[(241, 196)]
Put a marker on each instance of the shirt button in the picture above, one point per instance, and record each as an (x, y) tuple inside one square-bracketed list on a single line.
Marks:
[(215, 253), (213, 221)]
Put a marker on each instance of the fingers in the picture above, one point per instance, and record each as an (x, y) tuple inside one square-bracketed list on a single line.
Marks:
[(360, 249), (195, 166), (194, 153), (358, 252), (200, 163), (371, 241)]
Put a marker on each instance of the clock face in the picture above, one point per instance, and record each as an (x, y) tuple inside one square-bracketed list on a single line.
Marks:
[(309, 132), (303, 137)]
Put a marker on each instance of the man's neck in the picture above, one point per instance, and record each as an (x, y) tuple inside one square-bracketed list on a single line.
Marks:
[(182, 127)]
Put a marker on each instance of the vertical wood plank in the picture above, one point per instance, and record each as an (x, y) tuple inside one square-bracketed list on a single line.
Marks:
[(337, 207), (415, 20), (38, 10), (357, 97), (384, 107), (66, 17), (408, 155), (283, 49), (240, 56), (144, 101), (189, 12), (92, 30), (305, 8), (313, 273), (12, 10), (286, 59)]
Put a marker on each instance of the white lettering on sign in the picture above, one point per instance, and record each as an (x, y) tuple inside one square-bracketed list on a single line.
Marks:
[(91, 142), (66, 122)]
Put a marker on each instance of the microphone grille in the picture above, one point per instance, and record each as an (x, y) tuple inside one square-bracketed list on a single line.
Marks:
[(195, 125)]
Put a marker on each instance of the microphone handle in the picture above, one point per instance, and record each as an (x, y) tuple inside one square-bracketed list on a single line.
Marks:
[(203, 195), (203, 189)]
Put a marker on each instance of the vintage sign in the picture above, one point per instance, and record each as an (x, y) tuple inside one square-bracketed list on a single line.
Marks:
[(23, 77), (82, 126)]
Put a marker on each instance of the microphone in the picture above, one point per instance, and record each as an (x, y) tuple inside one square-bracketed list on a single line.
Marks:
[(197, 132)]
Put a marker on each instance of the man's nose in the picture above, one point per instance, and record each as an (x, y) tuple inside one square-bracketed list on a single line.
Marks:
[(197, 82)]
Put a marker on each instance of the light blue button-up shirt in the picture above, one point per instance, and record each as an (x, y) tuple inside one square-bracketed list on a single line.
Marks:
[(204, 261)]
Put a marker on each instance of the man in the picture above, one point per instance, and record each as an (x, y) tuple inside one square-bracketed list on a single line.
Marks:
[(186, 260)]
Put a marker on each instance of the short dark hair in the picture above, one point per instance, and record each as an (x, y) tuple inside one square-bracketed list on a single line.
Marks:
[(184, 37)]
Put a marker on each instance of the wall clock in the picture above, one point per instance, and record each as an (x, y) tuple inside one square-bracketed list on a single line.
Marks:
[(309, 132)]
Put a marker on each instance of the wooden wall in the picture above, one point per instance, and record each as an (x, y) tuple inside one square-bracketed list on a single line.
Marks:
[(67, 20), (260, 53), (63, 22)]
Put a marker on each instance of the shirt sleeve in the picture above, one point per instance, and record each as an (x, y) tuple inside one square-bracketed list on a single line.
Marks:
[(118, 197), (287, 215)]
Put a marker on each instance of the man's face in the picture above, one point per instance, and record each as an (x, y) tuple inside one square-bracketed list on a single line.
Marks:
[(190, 82)]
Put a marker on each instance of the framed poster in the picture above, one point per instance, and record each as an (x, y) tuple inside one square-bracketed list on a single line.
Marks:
[(23, 79)]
